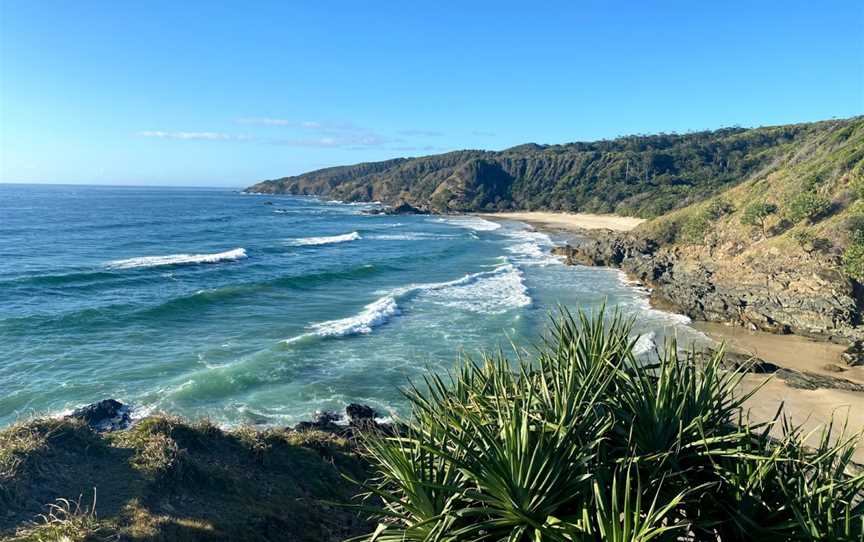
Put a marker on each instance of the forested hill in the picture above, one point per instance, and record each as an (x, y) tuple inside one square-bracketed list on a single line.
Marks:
[(635, 175)]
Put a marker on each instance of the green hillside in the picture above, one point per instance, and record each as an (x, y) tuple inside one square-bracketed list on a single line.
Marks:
[(810, 203), (644, 176)]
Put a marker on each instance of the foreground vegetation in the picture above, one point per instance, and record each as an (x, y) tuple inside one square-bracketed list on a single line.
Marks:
[(166, 479), (579, 441), (588, 443)]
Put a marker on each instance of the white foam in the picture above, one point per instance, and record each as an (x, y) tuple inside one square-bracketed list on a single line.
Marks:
[(494, 293), (178, 259), (642, 301), (488, 292), (315, 241), (373, 315), (644, 344), (471, 222), (410, 236), (532, 248)]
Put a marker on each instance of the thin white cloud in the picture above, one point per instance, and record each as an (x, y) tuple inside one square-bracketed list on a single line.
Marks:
[(190, 136), (264, 121), (421, 133), (329, 141), (313, 125)]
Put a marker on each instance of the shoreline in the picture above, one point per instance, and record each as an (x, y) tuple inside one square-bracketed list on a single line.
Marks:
[(569, 222), (812, 409)]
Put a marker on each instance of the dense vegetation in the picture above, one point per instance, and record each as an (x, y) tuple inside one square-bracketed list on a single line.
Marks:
[(813, 197), (588, 443), (635, 175)]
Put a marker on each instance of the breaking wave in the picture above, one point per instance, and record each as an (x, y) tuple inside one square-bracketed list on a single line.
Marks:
[(471, 222), (178, 259), (315, 241), (488, 292), (373, 315)]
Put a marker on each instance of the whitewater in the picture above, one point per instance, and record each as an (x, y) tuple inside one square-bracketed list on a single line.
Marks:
[(263, 309)]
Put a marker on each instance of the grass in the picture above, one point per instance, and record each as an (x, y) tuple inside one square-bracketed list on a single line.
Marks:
[(585, 442), (170, 479)]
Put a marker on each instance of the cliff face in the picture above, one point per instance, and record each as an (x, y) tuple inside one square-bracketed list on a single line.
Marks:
[(779, 252), (638, 175), (797, 294)]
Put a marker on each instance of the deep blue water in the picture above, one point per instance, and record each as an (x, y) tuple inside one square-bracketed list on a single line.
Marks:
[(211, 303)]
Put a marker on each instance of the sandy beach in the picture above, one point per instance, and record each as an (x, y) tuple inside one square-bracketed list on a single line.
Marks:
[(571, 221), (813, 409)]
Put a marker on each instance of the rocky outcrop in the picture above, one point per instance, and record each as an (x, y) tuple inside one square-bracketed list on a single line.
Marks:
[(806, 380), (360, 418), (769, 294), (402, 208), (104, 416), (854, 355)]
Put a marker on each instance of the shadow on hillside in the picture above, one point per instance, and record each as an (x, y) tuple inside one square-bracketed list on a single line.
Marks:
[(168, 480)]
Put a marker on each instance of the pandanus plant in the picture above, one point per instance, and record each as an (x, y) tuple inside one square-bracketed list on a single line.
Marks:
[(584, 441)]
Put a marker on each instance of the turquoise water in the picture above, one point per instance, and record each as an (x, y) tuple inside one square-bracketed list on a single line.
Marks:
[(213, 303)]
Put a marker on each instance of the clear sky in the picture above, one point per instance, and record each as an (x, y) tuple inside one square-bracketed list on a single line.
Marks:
[(229, 93)]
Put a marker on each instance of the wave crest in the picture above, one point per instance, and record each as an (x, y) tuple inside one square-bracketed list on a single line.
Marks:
[(315, 241), (471, 222), (178, 259), (373, 315)]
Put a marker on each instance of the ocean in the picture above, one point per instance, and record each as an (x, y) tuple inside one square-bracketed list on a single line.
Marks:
[(210, 303)]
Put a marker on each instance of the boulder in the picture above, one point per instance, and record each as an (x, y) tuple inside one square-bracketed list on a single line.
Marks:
[(104, 416), (406, 208), (854, 355), (360, 413), (323, 420)]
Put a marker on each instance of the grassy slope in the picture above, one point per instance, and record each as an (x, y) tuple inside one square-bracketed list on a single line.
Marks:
[(829, 164), (166, 479)]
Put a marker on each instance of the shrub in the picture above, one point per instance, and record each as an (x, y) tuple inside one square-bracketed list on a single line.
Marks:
[(587, 442), (855, 228), (808, 206), (853, 261), (756, 214), (666, 232), (805, 239), (719, 208), (695, 227)]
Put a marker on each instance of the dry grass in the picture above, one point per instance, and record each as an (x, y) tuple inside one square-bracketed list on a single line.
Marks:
[(169, 479)]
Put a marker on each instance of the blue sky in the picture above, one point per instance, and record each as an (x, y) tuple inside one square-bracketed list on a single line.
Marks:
[(229, 93)]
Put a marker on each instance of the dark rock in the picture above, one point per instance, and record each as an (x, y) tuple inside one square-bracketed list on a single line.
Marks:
[(358, 413), (104, 416), (361, 418), (268, 203), (323, 421), (406, 208), (821, 305), (737, 361), (854, 355), (812, 381), (375, 211)]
